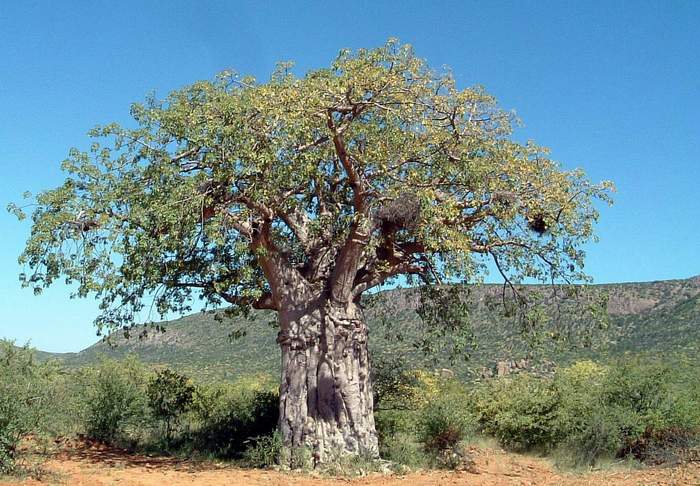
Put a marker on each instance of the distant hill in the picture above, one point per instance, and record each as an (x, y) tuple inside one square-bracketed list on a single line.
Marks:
[(654, 317)]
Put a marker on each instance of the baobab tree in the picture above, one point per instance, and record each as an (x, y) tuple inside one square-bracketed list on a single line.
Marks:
[(299, 195)]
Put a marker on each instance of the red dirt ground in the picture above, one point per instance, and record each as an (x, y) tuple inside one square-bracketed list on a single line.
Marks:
[(80, 464)]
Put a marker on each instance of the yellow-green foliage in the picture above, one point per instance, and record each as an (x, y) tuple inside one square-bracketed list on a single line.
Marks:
[(116, 400), (592, 411), (376, 134), (577, 389), (423, 416), (26, 400), (585, 412), (519, 411), (420, 389)]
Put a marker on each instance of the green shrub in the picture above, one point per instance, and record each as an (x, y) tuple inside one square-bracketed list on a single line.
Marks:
[(578, 394), (598, 437), (25, 398), (227, 416), (645, 409), (401, 396), (444, 423), (427, 420), (263, 452), (583, 427), (66, 412), (660, 407), (519, 411), (115, 400), (404, 449), (640, 389), (169, 394), (395, 421), (589, 412)]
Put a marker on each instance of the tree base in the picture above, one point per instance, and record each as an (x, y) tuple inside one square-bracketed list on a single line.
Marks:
[(326, 402)]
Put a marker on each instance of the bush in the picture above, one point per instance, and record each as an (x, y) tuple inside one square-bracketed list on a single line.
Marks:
[(660, 407), (390, 423), (640, 390), (578, 390), (404, 449), (645, 409), (263, 452), (584, 429), (400, 396), (169, 396), (445, 423), (229, 416), (598, 437), (436, 436), (519, 411), (115, 400), (25, 398), (422, 421)]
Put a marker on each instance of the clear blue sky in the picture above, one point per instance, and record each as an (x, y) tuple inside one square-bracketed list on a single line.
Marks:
[(611, 86)]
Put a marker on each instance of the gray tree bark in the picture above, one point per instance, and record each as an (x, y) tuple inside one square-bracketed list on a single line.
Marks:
[(326, 402)]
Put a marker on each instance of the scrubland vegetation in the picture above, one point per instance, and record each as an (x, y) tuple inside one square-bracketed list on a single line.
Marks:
[(582, 415)]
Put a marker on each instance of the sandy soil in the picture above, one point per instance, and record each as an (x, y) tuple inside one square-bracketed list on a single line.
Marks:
[(80, 464)]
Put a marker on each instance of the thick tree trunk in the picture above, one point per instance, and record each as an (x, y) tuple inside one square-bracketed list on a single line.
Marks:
[(326, 403)]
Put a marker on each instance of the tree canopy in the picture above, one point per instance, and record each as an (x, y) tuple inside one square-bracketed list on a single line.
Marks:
[(250, 193)]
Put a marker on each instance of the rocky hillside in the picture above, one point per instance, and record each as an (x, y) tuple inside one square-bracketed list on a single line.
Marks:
[(653, 317)]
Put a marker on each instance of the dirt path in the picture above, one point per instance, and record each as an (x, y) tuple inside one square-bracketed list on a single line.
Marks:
[(90, 465)]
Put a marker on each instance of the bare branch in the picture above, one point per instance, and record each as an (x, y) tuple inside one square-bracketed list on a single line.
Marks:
[(298, 222), (186, 154), (285, 281), (348, 166), (506, 280), (348, 259), (379, 278), (265, 302), (315, 143)]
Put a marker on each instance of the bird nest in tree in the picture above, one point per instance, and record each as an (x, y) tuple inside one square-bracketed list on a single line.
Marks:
[(401, 213)]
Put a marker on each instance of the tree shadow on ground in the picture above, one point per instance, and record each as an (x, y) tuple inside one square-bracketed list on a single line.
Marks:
[(95, 452)]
